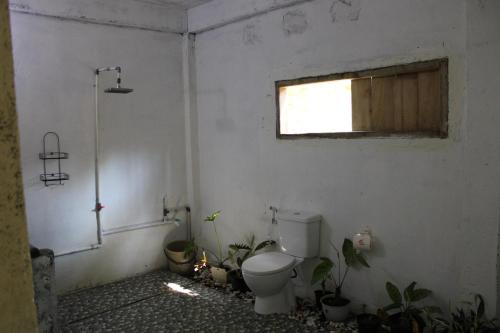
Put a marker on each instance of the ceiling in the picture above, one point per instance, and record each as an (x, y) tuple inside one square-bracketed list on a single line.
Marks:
[(183, 3)]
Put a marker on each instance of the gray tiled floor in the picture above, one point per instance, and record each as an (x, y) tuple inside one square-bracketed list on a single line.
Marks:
[(145, 304)]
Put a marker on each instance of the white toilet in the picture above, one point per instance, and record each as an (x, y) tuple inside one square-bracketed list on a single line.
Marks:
[(269, 274)]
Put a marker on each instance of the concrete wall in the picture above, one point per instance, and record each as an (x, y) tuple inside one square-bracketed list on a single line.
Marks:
[(139, 14), (482, 148), (142, 139), (423, 198), (17, 307)]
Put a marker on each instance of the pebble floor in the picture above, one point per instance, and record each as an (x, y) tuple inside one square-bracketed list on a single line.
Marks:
[(145, 304)]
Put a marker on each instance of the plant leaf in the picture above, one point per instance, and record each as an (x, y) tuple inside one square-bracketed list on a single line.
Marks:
[(322, 270), (480, 305), (237, 247), (432, 309), (213, 216), (239, 261), (251, 241), (190, 249), (264, 244), (408, 292), (348, 252), (393, 292), (361, 259), (392, 306), (420, 294)]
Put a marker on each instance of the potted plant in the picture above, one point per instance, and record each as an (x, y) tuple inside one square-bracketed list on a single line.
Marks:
[(368, 322), (238, 253), (335, 306), (468, 319), (218, 270), (181, 256), (408, 317)]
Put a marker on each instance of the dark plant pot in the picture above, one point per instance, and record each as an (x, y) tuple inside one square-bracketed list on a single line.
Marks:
[(237, 281), (335, 308), (368, 323), (400, 324), (319, 294)]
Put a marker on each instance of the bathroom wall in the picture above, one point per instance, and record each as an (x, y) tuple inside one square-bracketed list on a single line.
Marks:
[(432, 203), (142, 134), (482, 149)]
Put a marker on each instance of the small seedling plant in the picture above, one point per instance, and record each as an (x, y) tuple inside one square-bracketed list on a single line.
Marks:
[(220, 260)]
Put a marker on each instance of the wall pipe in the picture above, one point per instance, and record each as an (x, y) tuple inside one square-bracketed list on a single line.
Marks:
[(98, 206), (139, 226), (84, 249)]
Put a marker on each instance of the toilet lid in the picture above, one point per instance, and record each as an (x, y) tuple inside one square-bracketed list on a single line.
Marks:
[(267, 263)]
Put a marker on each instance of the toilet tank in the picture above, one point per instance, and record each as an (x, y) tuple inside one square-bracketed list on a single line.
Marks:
[(299, 233)]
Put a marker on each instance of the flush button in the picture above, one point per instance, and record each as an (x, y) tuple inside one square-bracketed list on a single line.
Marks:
[(296, 213)]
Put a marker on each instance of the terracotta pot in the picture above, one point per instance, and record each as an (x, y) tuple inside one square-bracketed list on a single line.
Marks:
[(177, 262), (335, 308), (219, 274)]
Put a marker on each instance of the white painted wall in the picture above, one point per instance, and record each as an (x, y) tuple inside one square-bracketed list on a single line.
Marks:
[(142, 148), (432, 203), (482, 149)]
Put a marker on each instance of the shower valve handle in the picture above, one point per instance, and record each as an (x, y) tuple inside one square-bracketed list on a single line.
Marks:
[(98, 207)]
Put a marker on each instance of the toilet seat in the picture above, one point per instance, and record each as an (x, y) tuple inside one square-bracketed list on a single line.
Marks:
[(268, 263)]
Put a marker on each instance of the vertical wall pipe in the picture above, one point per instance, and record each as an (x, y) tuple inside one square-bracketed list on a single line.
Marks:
[(96, 161)]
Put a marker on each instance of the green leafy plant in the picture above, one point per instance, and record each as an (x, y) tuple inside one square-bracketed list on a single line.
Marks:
[(219, 257), (404, 304), (190, 249), (239, 252), (471, 319), (324, 270)]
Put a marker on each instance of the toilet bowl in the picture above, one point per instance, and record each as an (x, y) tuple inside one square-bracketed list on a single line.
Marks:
[(268, 275)]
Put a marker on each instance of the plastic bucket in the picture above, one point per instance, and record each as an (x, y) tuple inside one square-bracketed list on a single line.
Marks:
[(177, 263)]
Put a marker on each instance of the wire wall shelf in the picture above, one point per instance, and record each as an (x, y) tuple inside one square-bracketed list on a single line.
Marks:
[(56, 176)]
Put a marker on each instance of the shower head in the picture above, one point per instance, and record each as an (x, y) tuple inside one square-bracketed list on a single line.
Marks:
[(118, 90), (115, 90)]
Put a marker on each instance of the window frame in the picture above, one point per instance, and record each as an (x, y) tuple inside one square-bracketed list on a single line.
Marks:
[(440, 64)]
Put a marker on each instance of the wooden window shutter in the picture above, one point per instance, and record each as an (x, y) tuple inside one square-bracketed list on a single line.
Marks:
[(397, 103), (361, 91)]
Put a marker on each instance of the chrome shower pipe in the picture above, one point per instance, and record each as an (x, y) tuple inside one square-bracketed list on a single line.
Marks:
[(98, 205), (118, 70)]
